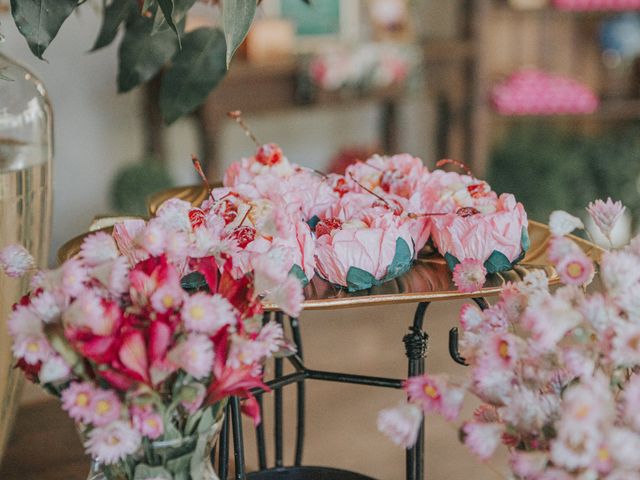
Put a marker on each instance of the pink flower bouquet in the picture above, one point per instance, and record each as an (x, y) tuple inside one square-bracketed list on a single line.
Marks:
[(144, 335), (556, 372)]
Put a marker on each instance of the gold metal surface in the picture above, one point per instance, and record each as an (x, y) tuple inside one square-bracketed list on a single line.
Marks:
[(428, 280)]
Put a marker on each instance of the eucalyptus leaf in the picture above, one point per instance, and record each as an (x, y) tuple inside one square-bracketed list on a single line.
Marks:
[(358, 279), (40, 20), (193, 282), (313, 221), (146, 472), (141, 55), (180, 9), (167, 9), (199, 457), (114, 15), (525, 242), (237, 16), (180, 467), (196, 70)]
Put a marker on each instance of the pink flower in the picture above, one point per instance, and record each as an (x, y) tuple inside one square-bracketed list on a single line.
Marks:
[(469, 275), (206, 313), (477, 236), (528, 464), (88, 312), (76, 401), (152, 238), (471, 317), (482, 438), (194, 355), (368, 247), (125, 234), (562, 223), (15, 260), (54, 370), (32, 348), (23, 321), (576, 269), (435, 395), (606, 214), (169, 296), (105, 407), (74, 276), (113, 442), (288, 296), (174, 215), (114, 275), (626, 345), (98, 248), (549, 322), (192, 406), (148, 422), (401, 424), (48, 306)]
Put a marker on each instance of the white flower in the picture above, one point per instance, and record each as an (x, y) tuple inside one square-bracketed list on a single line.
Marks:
[(206, 313), (626, 345), (482, 438), (562, 223), (47, 306), (113, 442), (98, 248), (624, 446), (401, 424), (620, 271), (174, 215), (575, 448), (605, 214), (194, 355), (15, 260), (55, 369)]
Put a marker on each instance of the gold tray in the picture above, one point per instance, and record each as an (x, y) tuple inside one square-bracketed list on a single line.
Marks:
[(428, 280)]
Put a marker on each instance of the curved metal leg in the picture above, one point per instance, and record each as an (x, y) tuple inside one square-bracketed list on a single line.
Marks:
[(278, 414), (300, 395), (238, 442), (415, 344)]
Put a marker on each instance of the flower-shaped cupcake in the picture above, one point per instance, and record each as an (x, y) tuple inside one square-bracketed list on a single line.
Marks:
[(495, 240), (362, 252)]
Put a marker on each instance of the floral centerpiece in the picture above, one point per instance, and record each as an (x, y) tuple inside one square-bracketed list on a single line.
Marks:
[(555, 371), (145, 334)]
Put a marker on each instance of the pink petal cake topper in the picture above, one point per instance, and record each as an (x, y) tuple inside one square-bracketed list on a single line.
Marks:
[(534, 92)]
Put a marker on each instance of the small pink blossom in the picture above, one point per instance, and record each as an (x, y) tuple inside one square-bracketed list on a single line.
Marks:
[(576, 269), (54, 370), (32, 348), (152, 238), (74, 276), (528, 464), (113, 442), (206, 313), (469, 275), (471, 317), (105, 407), (435, 395), (24, 321), (47, 306), (194, 355), (482, 438), (87, 312), (98, 248), (401, 424), (16, 260), (148, 422), (169, 296), (76, 401), (606, 214), (113, 275), (288, 296)]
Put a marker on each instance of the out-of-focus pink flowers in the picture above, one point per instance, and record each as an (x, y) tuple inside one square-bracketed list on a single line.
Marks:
[(469, 275), (401, 424)]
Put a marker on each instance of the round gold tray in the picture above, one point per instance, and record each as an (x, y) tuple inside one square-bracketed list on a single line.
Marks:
[(428, 280)]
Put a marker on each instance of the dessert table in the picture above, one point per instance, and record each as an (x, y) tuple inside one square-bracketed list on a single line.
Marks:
[(429, 280)]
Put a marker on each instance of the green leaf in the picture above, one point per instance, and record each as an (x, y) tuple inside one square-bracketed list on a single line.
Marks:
[(451, 261), (206, 421), (114, 14), (497, 262), (401, 260), (180, 467), (358, 279), (237, 16), (180, 9), (141, 55), (196, 70), (144, 472), (200, 455), (297, 271), (313, 221), (40, 20), (167, 9)]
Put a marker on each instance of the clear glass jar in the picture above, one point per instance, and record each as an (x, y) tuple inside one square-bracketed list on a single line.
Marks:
[(26, 145)]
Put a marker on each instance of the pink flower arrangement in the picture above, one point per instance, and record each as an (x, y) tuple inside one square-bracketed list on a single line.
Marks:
[(556, 371), (534, 92), (597, 4), (148, 332)]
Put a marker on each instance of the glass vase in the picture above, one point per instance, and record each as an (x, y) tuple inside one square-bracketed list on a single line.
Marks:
[(25, 202), (185, 458)]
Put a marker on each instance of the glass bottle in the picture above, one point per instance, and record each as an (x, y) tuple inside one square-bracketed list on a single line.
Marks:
[(26, 128)]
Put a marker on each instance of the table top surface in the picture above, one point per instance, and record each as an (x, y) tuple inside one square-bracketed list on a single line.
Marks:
[(428, 280)]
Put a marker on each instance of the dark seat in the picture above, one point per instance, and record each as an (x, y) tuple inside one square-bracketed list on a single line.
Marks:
[(306, 473)]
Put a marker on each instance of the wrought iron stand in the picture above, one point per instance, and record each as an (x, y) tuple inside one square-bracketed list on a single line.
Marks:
[(415, 342)]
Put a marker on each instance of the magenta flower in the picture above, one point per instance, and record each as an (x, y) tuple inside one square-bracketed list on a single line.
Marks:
[(147, 421), (435, 395)]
